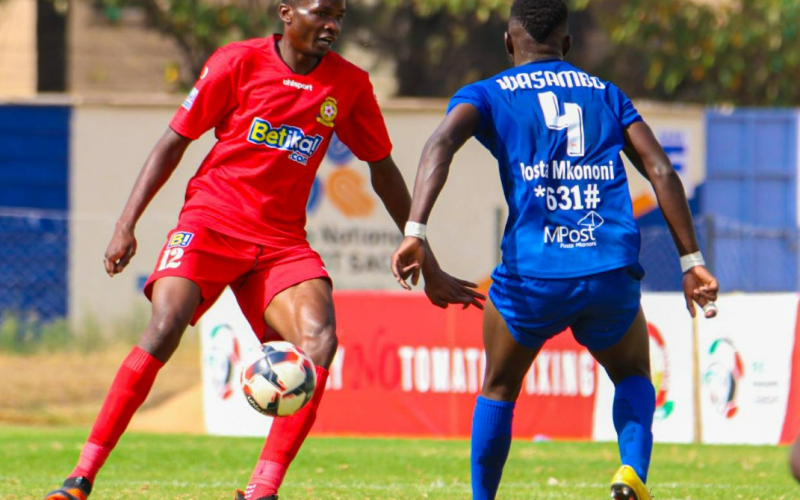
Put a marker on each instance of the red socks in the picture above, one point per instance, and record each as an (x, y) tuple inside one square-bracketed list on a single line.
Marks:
[(128, 391), (132, 385), (283, 442)]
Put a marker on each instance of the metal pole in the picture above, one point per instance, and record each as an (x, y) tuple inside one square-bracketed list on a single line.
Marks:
[(696, 382)]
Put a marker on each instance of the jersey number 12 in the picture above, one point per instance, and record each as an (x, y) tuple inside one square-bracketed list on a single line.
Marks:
[(572, 120)]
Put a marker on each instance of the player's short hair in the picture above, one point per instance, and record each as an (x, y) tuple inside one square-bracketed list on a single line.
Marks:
[(541, 18), (290, 3)]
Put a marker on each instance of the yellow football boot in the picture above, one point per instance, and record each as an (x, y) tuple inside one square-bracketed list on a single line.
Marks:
[(626, 485)]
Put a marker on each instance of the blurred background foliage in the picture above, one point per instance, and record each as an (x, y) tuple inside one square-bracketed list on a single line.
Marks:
[(704, 51)]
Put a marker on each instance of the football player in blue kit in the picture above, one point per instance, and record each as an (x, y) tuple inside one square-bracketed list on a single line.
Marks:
[(571, 244)]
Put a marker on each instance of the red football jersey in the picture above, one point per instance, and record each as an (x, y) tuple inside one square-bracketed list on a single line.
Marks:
[(273, 128)]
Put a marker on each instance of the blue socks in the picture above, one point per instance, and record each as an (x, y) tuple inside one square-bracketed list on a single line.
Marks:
[(634, 405), (491, 440)]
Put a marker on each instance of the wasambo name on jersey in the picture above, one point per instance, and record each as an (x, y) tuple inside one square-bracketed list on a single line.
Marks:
[(565, 170), (288, 138), (541, 79)]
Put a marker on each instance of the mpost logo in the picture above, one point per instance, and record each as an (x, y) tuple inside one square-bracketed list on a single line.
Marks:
[(301, 147), (222, 358), (659, 363), (723, 376), (580, 237)]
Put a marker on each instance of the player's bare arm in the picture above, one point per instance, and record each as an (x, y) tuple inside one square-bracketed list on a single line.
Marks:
[(434, 166), (441, 288), (163, 160), (647, 155)]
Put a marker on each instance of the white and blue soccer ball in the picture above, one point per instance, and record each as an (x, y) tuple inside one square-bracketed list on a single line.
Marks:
[(281, 381)]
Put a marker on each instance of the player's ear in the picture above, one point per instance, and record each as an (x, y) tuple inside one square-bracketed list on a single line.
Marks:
[(285, 13), (509, 45), (566, 45)]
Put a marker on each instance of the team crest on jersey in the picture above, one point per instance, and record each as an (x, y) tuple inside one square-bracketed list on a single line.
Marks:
[(328, 111), (180, 239), (300, 146)]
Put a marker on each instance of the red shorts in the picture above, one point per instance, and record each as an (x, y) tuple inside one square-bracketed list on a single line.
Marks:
[(255, 273)]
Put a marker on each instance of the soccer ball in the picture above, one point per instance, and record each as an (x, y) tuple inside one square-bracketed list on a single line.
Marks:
[(281, 381)]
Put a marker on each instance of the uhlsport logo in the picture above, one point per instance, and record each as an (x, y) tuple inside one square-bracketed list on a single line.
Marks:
[(723, 376), (659, 362), (328, 112), (297, 85), (180, 239), (222, 359), (300, 146), (581, 237)]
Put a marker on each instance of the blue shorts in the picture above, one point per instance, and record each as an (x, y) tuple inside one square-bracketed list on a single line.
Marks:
[(599, 308)]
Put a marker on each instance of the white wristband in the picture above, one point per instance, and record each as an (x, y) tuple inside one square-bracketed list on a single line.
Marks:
[(415, 229), (692, 260)]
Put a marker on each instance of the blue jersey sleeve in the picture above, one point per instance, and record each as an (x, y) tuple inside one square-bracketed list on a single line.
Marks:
[(623, 107), (476, 95)]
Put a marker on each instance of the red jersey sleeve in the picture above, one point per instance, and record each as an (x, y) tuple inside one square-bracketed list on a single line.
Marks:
[(363, 129), (212, 98)]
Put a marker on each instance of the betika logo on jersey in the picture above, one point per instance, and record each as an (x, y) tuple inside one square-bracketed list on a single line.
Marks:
[(569, 238), (301, 147)]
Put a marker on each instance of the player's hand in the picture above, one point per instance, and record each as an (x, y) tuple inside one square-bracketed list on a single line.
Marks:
[(443, 290), (120, 250), (407, 261), (700, 286)]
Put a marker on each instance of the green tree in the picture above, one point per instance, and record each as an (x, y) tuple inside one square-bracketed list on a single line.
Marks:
[(199, 27), (745, 52), (436, 45), (739, 51), (440, 45)]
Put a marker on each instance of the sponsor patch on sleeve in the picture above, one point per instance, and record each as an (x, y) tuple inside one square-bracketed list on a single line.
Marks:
[(187, 104)]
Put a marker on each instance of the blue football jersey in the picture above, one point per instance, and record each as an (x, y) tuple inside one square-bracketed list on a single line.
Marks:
[(557, 134)]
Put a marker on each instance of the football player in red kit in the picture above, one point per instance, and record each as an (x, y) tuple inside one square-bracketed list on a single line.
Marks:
[(274, 104)]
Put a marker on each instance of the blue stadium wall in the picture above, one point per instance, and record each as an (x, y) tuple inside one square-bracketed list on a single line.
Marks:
[(34, 204), (746, 209)]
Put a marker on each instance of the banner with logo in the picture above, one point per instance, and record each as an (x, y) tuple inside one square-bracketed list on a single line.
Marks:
[(670, 329), (413, 369), (403, 368), (347, 223), (227, 345), (406, 368), (746, 369)]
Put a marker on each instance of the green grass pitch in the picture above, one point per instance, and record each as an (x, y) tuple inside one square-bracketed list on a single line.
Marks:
[(156, 467)]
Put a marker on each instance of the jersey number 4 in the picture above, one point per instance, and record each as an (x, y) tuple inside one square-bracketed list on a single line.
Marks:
[(572, 120)]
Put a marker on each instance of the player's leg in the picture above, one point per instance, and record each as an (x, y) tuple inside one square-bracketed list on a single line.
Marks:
[(174, 301), (507, 362), (628, 365), (303, 315)]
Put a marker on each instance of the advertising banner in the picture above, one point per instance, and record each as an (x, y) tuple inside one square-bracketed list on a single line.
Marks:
[(746, 359), (406, 368), (347, 223), (227, 344), (403, 368), (670, 330)]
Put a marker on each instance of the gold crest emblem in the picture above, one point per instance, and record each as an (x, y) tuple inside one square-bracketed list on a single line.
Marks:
[(327, 112)]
